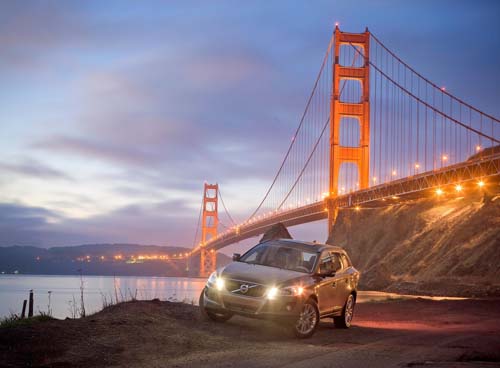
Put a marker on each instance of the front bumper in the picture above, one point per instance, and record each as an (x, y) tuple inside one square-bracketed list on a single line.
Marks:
[(282, 308)]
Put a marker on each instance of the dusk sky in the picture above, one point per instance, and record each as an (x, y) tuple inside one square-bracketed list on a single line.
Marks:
[(114, 113)]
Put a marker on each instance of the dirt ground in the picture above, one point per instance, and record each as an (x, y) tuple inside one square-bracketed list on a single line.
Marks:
[(405, 333)]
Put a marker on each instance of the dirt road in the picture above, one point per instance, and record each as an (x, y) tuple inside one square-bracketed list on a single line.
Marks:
[(409, 333)]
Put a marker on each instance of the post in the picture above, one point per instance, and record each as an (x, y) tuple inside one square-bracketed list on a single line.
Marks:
[(30, 308), (23, 313)]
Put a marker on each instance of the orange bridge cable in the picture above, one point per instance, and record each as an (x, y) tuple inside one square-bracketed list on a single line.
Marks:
[(297, 130), (198, 224), (443, 115), (225, 209), (305, 165), (315, 145), (432, 83)]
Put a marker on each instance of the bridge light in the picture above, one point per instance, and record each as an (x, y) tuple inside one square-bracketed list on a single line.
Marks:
[(458, 188), (326, 209), (478, 148), (336, 24), (394, 173), (394, 197), (480, 183), (374, 179), (417, 165), (357, 208), (439, 191), (444, 158), (443, 88)]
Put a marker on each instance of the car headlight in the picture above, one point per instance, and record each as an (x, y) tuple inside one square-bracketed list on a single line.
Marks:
[(216, 281), (273, 292)]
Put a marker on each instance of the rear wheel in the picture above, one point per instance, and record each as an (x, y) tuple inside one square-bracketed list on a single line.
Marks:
[(209, 314), (308, 320), (344, 321)]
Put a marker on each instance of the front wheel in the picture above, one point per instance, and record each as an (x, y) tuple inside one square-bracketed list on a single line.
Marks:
[(308, 320), (344, 321), (207, 314)]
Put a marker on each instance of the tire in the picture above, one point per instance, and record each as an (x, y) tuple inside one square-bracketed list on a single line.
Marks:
[(344, 320), (308, 321), (207, 314)]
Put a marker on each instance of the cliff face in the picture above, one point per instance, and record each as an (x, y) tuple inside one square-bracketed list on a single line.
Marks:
[(447, 246)]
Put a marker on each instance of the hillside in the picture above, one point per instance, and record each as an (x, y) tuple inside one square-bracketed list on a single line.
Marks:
[(100, 259), (448, 246)]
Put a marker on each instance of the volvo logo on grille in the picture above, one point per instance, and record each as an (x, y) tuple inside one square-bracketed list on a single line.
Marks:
[(244, 288)]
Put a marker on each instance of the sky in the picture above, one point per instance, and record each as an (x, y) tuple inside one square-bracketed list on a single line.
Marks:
[(113, 114)]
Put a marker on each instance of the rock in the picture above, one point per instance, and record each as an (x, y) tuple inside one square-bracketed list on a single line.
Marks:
[(277, 231)]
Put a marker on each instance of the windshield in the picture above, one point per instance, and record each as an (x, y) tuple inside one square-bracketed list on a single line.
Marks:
[(281, 256)]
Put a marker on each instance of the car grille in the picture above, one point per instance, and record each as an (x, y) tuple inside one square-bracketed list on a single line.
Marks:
[(240, 307), (252, 289)]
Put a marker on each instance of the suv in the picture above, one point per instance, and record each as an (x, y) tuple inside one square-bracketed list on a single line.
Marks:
[(287, 281)]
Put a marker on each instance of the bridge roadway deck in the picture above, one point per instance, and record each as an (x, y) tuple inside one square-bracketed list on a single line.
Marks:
[(407, 187)]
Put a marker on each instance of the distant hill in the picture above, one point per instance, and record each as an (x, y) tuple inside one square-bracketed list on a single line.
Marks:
[(100, 259)]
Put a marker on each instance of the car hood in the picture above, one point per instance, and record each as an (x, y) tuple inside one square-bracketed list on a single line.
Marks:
[(260, 274)]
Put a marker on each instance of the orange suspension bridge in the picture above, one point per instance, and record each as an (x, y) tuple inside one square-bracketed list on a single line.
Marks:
[(373, 130)]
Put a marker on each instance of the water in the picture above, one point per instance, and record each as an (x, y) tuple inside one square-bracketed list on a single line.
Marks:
[(15, 288), (64, 289)]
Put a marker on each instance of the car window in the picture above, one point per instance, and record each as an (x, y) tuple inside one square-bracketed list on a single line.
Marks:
[(345, 261), (326, 263), (337, 266)]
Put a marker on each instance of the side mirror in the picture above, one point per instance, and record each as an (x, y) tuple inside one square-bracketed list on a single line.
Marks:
[(236, 257)]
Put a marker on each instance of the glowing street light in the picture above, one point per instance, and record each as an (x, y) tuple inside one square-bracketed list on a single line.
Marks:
[(458, 188), (357, 208), (394, 173), (480, 183), (478, 148), (439, 191), (444, 158), (417, 165)]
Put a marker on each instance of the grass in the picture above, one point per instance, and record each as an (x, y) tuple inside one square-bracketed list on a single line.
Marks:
[(14, 320)]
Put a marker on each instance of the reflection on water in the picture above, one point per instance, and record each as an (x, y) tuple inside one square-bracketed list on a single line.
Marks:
[(15, 288), (97, 289)]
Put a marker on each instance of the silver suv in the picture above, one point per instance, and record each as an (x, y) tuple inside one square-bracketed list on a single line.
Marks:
[(287, 281)]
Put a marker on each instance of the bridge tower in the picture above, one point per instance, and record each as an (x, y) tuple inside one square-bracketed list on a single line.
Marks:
[(358, 112), (210, 221)]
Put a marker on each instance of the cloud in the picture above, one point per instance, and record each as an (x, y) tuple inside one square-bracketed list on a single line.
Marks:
[(32, 169), (164, 222)]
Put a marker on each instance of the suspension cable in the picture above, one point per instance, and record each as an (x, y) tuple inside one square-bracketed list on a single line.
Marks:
[(198, 224), (409, 93), (225, 208), (432, 83), (297, 130)]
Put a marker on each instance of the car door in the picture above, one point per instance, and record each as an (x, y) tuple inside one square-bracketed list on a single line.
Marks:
[(328, 296), (342, 278)]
